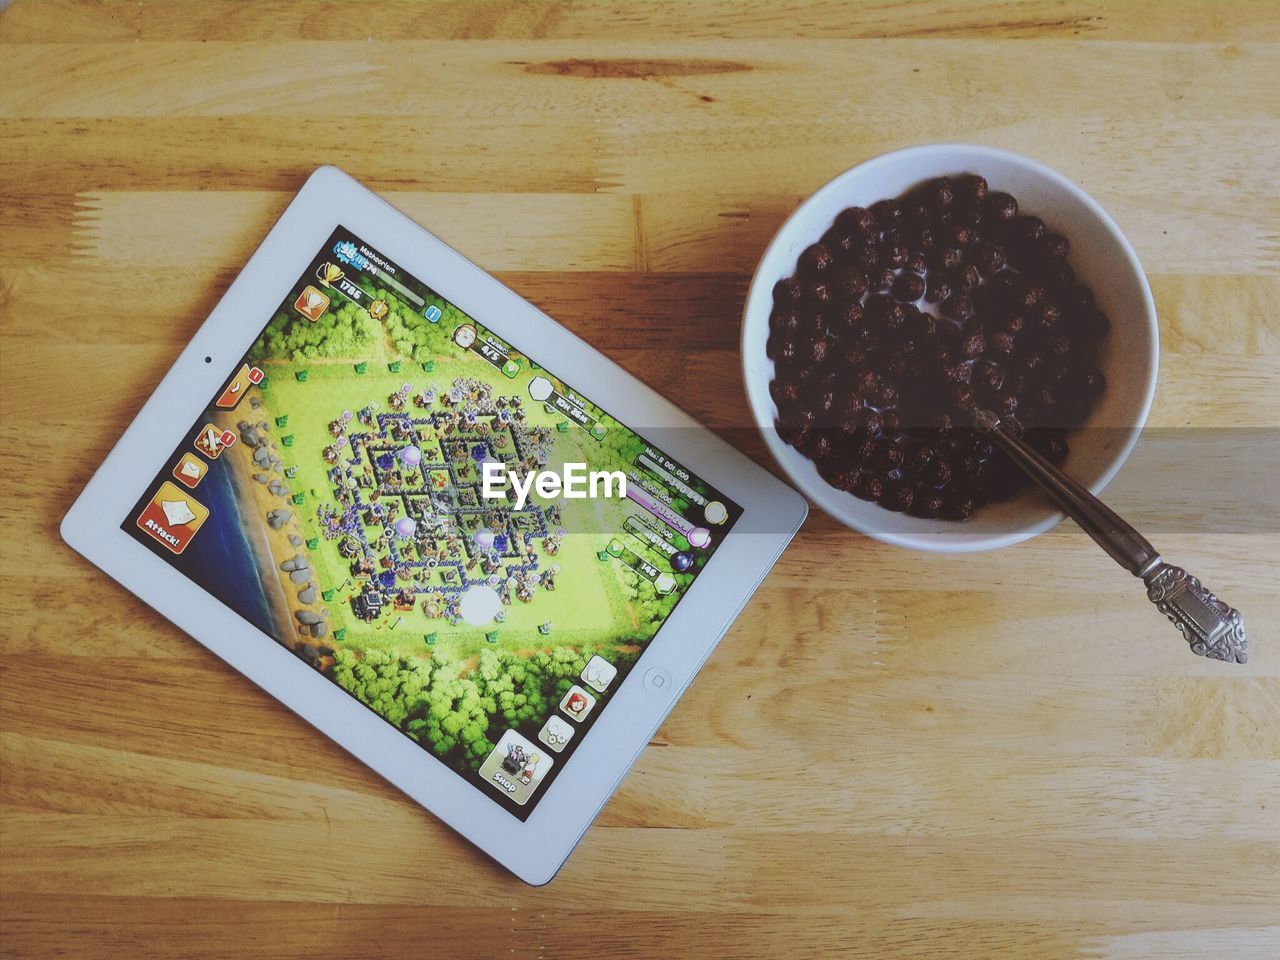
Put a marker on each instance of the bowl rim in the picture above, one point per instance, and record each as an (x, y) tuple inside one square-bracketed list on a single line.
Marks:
[(959, 541)]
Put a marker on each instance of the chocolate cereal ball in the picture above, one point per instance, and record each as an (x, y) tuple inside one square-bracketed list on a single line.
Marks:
[(907, 316)]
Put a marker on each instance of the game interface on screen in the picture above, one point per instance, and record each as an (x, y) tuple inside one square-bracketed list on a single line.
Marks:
[(332, 494)]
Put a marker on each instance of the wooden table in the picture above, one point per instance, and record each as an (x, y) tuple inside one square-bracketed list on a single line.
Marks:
[(892, 754)]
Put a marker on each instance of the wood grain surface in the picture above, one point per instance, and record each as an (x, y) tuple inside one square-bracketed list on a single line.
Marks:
[(892, 755)]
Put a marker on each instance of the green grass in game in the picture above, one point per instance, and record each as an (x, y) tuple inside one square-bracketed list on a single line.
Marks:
[(588, 605)]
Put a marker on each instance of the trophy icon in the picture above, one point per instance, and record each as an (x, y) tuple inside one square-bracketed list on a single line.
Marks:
[(329, 273)]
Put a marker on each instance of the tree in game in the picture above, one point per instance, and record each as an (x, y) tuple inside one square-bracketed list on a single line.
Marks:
[(457, 717), (451, 717), (651, 607), (418, 339), (392, 686), (618, 451), (339, 332)]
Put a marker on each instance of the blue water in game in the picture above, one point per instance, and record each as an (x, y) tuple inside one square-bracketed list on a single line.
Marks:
[(220, 558)]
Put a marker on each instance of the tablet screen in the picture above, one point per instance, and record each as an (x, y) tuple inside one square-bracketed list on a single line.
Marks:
[(440, 525)]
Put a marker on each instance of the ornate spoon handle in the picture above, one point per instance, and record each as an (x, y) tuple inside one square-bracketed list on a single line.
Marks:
[(1211, 627)]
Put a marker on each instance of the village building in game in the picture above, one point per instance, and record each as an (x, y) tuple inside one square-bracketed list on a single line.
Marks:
[(408, 511)]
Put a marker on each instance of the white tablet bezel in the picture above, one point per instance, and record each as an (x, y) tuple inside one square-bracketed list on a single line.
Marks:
[(535, 848)]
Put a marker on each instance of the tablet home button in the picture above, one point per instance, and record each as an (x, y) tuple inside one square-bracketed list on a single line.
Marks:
[(657, 680)]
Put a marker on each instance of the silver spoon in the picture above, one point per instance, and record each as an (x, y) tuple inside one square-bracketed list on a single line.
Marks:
[(1212, 628)]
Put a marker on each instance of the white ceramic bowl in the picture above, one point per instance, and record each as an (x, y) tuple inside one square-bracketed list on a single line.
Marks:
[(1102, 259)]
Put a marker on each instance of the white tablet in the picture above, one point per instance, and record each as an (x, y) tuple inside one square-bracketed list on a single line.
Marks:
[(457, 540)]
